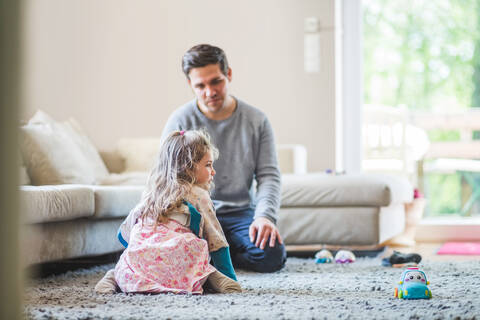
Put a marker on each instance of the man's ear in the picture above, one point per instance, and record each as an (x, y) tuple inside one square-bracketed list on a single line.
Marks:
[(229, 74)]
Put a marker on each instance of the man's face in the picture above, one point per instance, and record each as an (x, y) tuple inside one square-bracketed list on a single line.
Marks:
[(210, 86)]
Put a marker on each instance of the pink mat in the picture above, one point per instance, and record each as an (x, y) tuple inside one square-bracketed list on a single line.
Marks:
[(460, 248)]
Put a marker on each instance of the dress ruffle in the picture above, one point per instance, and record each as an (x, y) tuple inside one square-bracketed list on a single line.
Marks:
[(165, 258)]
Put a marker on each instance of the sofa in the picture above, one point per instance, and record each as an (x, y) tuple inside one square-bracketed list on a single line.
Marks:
[(73, 197)]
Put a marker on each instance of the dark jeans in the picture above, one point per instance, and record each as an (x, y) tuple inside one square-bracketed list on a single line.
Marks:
[(245, 255)]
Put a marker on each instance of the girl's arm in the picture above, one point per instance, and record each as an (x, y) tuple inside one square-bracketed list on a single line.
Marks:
[(126, 227), (213, 233)]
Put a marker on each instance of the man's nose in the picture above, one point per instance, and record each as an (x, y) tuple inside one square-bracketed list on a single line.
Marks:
[(213, 172), (209, 92)]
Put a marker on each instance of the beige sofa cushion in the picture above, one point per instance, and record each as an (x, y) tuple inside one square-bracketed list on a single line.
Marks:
[(113, 161), (115, 201), (125, 179), (69, 239), (41, 204), (340, 225), (292, 158), (139, 153), (58, 153), (322, 190)]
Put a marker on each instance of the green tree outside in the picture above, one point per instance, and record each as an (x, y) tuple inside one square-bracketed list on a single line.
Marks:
[(476, 73), (424, 55)]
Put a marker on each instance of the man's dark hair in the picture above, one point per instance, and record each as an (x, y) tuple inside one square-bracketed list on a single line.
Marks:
[(202, 55)]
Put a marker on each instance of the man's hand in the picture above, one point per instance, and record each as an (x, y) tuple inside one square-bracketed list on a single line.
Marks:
[(261, 229)]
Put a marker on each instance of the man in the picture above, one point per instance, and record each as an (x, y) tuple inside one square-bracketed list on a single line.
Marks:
[(245, 140)]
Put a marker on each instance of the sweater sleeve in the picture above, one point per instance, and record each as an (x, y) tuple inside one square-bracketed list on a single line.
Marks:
[(213, 233), (125, 228), (267, 175)]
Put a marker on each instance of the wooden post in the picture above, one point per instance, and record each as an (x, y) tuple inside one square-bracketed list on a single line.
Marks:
[(10, 268), (465, 193), (420, 176)]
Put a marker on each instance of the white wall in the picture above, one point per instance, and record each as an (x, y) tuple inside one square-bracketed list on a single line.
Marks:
[(115, 65)]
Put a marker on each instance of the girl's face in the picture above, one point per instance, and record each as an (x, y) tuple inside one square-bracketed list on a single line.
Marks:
[(204, 171)]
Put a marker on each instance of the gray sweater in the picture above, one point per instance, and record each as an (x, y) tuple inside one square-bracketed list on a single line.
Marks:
[(247, 151)]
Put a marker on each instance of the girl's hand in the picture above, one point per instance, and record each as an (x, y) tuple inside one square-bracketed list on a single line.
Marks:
[(262, 229)]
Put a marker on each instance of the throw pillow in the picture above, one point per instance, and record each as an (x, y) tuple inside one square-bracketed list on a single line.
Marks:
[(24, 179), (59, 153), (89, 150), (41, 117), (139, 153), (52, 157), (78, 135)]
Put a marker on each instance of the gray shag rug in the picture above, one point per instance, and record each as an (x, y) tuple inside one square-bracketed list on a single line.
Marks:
[(302, 290)]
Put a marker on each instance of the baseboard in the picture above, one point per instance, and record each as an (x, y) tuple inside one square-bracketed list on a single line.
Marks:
[(359, 251), (318, 247), (448, 229), (41, 270)]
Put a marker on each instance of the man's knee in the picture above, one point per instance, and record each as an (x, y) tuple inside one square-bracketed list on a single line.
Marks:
[(267, 260)]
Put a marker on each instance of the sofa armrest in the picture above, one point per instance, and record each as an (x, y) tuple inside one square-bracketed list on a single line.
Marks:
[(292, 158), (53, 203)]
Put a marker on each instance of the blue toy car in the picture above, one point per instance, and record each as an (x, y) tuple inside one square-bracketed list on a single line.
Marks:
[(413, 285)]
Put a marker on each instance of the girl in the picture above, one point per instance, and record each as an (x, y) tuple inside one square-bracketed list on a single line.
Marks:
[(172, 234)]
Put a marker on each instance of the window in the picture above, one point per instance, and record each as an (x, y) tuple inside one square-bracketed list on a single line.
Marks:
[(423, 57)]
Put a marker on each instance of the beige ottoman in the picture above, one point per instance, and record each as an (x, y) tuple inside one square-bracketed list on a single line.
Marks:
[(361, 210)]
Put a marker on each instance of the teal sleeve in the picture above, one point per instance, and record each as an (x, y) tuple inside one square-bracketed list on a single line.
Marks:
[(222, 262), (195, 218), (120, 238), (221, 258)]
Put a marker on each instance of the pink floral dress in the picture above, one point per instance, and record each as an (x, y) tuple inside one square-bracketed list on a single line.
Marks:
[(169, 257)]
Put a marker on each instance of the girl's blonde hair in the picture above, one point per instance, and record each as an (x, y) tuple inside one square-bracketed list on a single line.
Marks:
[(173, 175)]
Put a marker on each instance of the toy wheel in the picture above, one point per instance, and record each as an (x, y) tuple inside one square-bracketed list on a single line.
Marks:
[(396, 293), (429, 294), (400, 294)]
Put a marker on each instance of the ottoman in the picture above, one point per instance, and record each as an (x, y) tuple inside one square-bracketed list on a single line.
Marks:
[(354, 210)]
